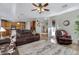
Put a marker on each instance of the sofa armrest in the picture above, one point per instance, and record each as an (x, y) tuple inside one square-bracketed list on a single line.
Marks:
[(68, 36)]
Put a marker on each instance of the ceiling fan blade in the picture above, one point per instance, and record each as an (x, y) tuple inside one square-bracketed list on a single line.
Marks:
[(34, 4), (46, 9), (34, 9), (45, 4)]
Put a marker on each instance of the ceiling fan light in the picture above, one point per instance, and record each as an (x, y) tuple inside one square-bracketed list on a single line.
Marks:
[(38, 9), (42, 9)]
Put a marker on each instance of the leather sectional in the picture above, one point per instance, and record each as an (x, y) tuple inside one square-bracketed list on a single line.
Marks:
[(25, 36)]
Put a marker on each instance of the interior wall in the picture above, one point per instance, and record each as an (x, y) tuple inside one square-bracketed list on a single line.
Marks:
[(28, 25), (42, 22), (38, 27), (0, 22), (39, 24), (72, 17)]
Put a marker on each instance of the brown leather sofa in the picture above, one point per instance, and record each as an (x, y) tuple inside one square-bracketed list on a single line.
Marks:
[(64, 39), (5, 41), (26, 36)]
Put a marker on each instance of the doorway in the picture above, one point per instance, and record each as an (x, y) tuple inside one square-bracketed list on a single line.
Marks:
[(33, 26)]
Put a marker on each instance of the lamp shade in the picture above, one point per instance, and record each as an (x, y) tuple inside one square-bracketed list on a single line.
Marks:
[(2, 29)]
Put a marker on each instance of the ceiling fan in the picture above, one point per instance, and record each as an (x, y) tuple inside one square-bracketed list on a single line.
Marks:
[(40, 7)]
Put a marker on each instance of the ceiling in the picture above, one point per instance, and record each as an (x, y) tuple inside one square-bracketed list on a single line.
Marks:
[(22, 11)]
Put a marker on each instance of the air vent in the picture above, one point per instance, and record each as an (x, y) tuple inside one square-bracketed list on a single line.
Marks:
[(64, 6)]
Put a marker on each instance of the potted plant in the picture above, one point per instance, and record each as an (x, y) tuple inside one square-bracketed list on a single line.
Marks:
[(77, 29)]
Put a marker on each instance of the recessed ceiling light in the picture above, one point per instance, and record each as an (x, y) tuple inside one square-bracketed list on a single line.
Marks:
[(18, 23)]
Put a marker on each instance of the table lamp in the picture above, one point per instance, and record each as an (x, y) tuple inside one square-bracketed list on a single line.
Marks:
[(2, 30)]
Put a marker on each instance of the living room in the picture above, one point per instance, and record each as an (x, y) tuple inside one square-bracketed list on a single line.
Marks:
[(29, 29)]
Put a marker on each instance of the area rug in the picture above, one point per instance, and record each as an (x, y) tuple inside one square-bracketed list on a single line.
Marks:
[(44, 47)]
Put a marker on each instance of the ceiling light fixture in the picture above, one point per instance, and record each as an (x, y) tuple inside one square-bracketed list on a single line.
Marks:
[(40, 7)]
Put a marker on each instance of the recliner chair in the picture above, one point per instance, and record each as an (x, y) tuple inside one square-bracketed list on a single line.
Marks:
[(63, 37)]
